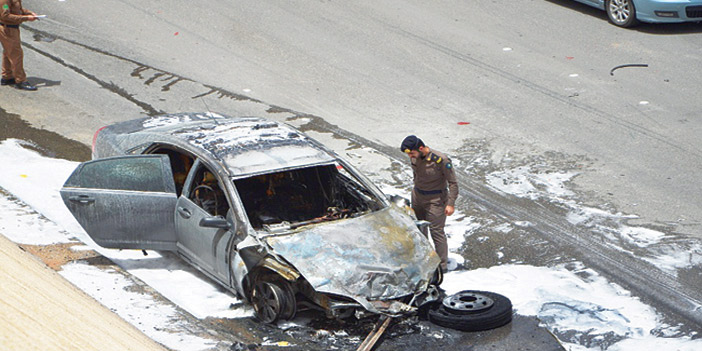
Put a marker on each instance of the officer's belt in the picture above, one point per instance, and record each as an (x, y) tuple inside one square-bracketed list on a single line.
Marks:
[(427, 192), (9, 25)]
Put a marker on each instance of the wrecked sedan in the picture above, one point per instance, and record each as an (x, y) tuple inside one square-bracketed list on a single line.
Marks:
[(267, 212)]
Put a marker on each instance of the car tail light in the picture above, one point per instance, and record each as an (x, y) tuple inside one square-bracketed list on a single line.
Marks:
[(95, 138)]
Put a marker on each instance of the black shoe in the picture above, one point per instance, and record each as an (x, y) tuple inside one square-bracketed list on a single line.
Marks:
[(10, 81), (25, 86)]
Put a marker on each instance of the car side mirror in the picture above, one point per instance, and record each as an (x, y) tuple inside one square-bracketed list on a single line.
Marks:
[(215, 222)]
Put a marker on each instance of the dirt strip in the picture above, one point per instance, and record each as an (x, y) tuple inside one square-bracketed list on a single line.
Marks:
[(40, 310)]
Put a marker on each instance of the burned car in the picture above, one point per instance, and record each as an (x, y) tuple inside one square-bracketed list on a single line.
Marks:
[(265, 211)]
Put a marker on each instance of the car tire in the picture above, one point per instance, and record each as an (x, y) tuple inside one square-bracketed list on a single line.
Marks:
[(270, 302), (621, 13), (495, 310)]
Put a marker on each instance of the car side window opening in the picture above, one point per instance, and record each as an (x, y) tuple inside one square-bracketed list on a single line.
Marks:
[(206, 192), (180, 164), (304, 196)]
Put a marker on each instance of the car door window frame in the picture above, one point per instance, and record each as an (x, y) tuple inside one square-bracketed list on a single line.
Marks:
[(166, 176), (192, 182)]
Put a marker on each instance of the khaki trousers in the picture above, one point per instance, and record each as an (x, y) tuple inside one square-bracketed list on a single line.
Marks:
[(432, 208), (12, 55)]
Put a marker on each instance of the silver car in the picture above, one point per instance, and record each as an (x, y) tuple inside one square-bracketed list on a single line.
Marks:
[(265, 211)]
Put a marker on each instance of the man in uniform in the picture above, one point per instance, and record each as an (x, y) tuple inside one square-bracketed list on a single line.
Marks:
[(11, 16), (435, 190)]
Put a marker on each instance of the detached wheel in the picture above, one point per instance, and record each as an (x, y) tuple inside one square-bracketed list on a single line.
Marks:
[(472, 310), (271, 302), (621, 13)]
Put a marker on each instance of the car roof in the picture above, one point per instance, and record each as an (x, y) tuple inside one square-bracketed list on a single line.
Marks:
[(244, 145)]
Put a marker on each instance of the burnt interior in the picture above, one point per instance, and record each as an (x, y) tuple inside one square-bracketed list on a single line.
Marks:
[(304, 196), (180, 165)]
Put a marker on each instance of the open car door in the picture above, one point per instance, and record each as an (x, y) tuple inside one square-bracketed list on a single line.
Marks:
[(125, 202)]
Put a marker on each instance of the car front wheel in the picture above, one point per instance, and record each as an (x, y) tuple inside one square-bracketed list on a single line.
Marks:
[(272, 301), (621, 13)]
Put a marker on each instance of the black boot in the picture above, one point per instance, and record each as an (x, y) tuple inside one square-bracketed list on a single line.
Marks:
[(8, 81), (25, 86)]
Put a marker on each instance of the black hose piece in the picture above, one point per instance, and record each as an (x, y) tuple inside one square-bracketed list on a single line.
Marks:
[(611, 72)]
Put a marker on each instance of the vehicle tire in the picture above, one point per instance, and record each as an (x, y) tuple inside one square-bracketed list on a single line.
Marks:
[(269, 302), (475, 311), (291, 302), (621, 13)]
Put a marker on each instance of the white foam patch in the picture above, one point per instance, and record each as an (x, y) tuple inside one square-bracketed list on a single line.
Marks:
[(202, 298), (458, 228), (522, 182), (24, 226), (35, 179), (583, 215), (153, 318), (641, 237), (591, 307)]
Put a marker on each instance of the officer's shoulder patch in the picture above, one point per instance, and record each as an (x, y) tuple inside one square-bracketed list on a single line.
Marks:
[(435, 158)]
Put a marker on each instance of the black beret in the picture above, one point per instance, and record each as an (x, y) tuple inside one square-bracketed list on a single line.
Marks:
[(411, 143)]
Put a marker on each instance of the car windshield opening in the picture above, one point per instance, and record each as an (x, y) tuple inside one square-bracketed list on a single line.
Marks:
[(304, 196)]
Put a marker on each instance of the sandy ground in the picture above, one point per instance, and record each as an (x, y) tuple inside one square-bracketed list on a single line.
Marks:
[(35, 319)]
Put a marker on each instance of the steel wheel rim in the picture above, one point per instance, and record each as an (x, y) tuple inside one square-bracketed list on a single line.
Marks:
[(267, 302), (467, 302), (620, 10)]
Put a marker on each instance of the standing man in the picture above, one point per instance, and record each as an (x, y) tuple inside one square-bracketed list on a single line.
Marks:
[(431, 200), (11, 16)]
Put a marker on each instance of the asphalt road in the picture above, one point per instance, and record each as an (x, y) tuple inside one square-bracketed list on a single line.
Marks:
[(408, 67), (532, 79)]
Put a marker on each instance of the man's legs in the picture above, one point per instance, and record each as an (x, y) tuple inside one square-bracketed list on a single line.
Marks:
[(6, 65), (432, 208), (12, 55), (437, 217)]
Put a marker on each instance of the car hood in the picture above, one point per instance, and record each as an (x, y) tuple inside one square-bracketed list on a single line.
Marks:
[(379, 256)]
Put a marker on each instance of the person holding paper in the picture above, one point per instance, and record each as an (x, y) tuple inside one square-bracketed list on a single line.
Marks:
[(12, 14)]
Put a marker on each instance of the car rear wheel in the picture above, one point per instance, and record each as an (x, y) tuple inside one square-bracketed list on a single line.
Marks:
[(621, 13), (273, 301), (472, 310)]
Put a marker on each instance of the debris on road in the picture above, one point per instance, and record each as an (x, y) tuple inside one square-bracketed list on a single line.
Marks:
[(611, 72)]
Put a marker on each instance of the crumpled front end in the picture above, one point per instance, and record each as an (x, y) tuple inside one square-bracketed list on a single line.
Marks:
[(372, 259)]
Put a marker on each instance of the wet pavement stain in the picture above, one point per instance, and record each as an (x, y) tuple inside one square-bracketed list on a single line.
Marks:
[(45, 142), (221, 93), (173, 81), (43, 37)]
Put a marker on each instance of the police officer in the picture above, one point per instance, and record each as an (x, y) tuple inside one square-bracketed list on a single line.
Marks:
[(435, 190), (11, 16)]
